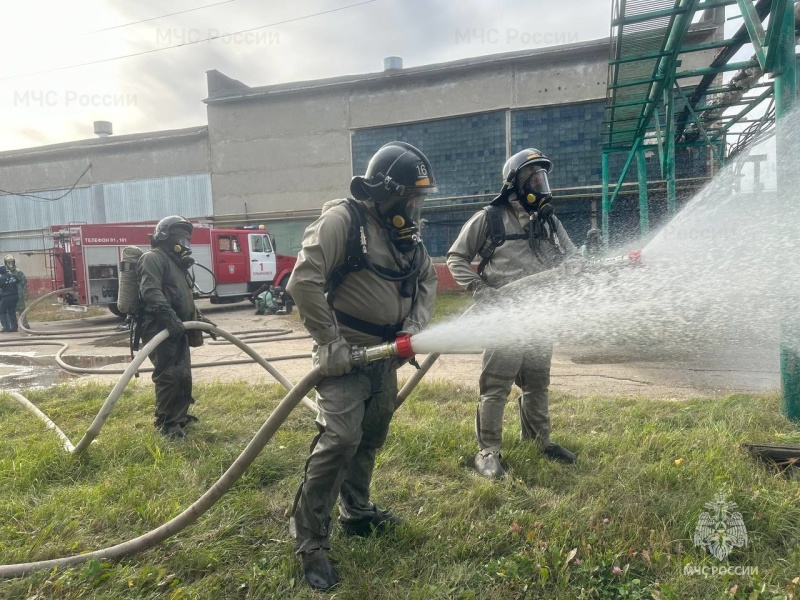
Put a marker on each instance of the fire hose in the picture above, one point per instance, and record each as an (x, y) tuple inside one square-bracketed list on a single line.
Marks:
[(250, 336), (401, 348), (360, 356)]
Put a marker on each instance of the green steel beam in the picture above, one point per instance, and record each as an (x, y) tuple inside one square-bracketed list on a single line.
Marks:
[(737, 66), (785, 99), (605, 205), (668, 163), (774, 29), (660, 144), (665, 66), (627, 149), (755, 102), (625, 131), (625, 84), (754, 28), (698, 123), (697, 110), (726, 88), (644, 205), (630, 103), (628, 161), (714, 4), (636, 58), (648, 16), (617, 47), (716, 106), (684, 50)]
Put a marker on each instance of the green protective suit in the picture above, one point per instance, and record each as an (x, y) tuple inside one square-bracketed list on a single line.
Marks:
[(265, 303), (22, 289), (167, 299), (353, 410), (529, 367)]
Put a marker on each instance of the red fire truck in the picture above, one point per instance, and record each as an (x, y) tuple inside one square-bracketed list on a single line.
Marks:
[(230, 263)]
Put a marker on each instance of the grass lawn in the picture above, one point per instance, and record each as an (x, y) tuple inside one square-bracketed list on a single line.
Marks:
[(619, 524)]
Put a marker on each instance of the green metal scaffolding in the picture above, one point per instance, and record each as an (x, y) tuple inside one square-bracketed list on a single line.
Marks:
[(651, 107)]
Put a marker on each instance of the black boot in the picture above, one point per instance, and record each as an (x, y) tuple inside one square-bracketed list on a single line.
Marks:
[(380, 522), (318, 570), (559, 454), (188, 420), (488, 464), (175, 432)]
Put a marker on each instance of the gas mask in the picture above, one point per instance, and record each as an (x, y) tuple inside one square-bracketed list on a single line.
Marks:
[(11, 265), (401, 216), (179, 244), (533, 191)]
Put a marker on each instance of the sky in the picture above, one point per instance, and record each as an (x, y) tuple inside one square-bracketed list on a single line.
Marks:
[(46, 99)]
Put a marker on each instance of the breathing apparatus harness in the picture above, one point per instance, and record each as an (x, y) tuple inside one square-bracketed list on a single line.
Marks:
[(357, 258), (542, 225), (132, 267)]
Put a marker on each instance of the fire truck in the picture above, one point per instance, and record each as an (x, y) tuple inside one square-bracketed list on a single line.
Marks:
[(230, 264)]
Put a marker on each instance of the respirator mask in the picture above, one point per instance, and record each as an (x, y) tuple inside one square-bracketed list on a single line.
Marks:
[(533, 191), (401, 216), (179, 244)]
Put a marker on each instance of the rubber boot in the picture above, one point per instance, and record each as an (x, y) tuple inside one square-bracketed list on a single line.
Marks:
[(559, 454), (318, 570), (488, 464), (381, 521), (172, 433)]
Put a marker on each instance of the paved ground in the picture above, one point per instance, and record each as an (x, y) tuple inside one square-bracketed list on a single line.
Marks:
[(578, 371)]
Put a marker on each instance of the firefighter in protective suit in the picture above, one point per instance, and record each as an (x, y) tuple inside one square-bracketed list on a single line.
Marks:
[(22, 286), (167, 300), (533, 241), (348, 295)]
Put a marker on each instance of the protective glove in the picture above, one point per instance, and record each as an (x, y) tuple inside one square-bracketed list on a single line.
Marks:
[(334, 358), (202, 318), (484, 294), (573, 265), (175, 328)]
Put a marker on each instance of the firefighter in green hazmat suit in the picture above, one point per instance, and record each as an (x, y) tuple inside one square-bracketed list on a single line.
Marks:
[(349, 295), (22, 286), (167, 301), (528, 239)]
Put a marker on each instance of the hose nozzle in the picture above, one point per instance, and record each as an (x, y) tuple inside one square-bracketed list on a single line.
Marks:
[(400, 348)]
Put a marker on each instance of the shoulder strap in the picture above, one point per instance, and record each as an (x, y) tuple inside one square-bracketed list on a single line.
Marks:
[(495, 235), (496, 232), (354, 249)]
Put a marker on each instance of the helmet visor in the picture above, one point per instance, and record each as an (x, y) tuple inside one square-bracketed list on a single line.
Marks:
[(179, 236), (533, 180), (414, 206), (408, 206)]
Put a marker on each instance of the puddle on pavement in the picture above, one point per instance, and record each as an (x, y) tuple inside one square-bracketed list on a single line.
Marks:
[(31, 370)]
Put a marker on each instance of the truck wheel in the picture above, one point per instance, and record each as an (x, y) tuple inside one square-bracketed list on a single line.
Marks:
[(115, 310)]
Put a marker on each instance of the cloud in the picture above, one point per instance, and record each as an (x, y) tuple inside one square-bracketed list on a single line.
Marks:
[(164, 89)]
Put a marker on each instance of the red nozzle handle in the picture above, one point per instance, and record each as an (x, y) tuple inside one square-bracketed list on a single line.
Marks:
[(635, 257), (403, 343)]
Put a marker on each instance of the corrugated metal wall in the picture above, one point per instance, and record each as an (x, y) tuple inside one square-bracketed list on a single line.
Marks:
[(24, 220)]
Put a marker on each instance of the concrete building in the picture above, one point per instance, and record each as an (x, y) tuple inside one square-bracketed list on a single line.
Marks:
[(276, 153)]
